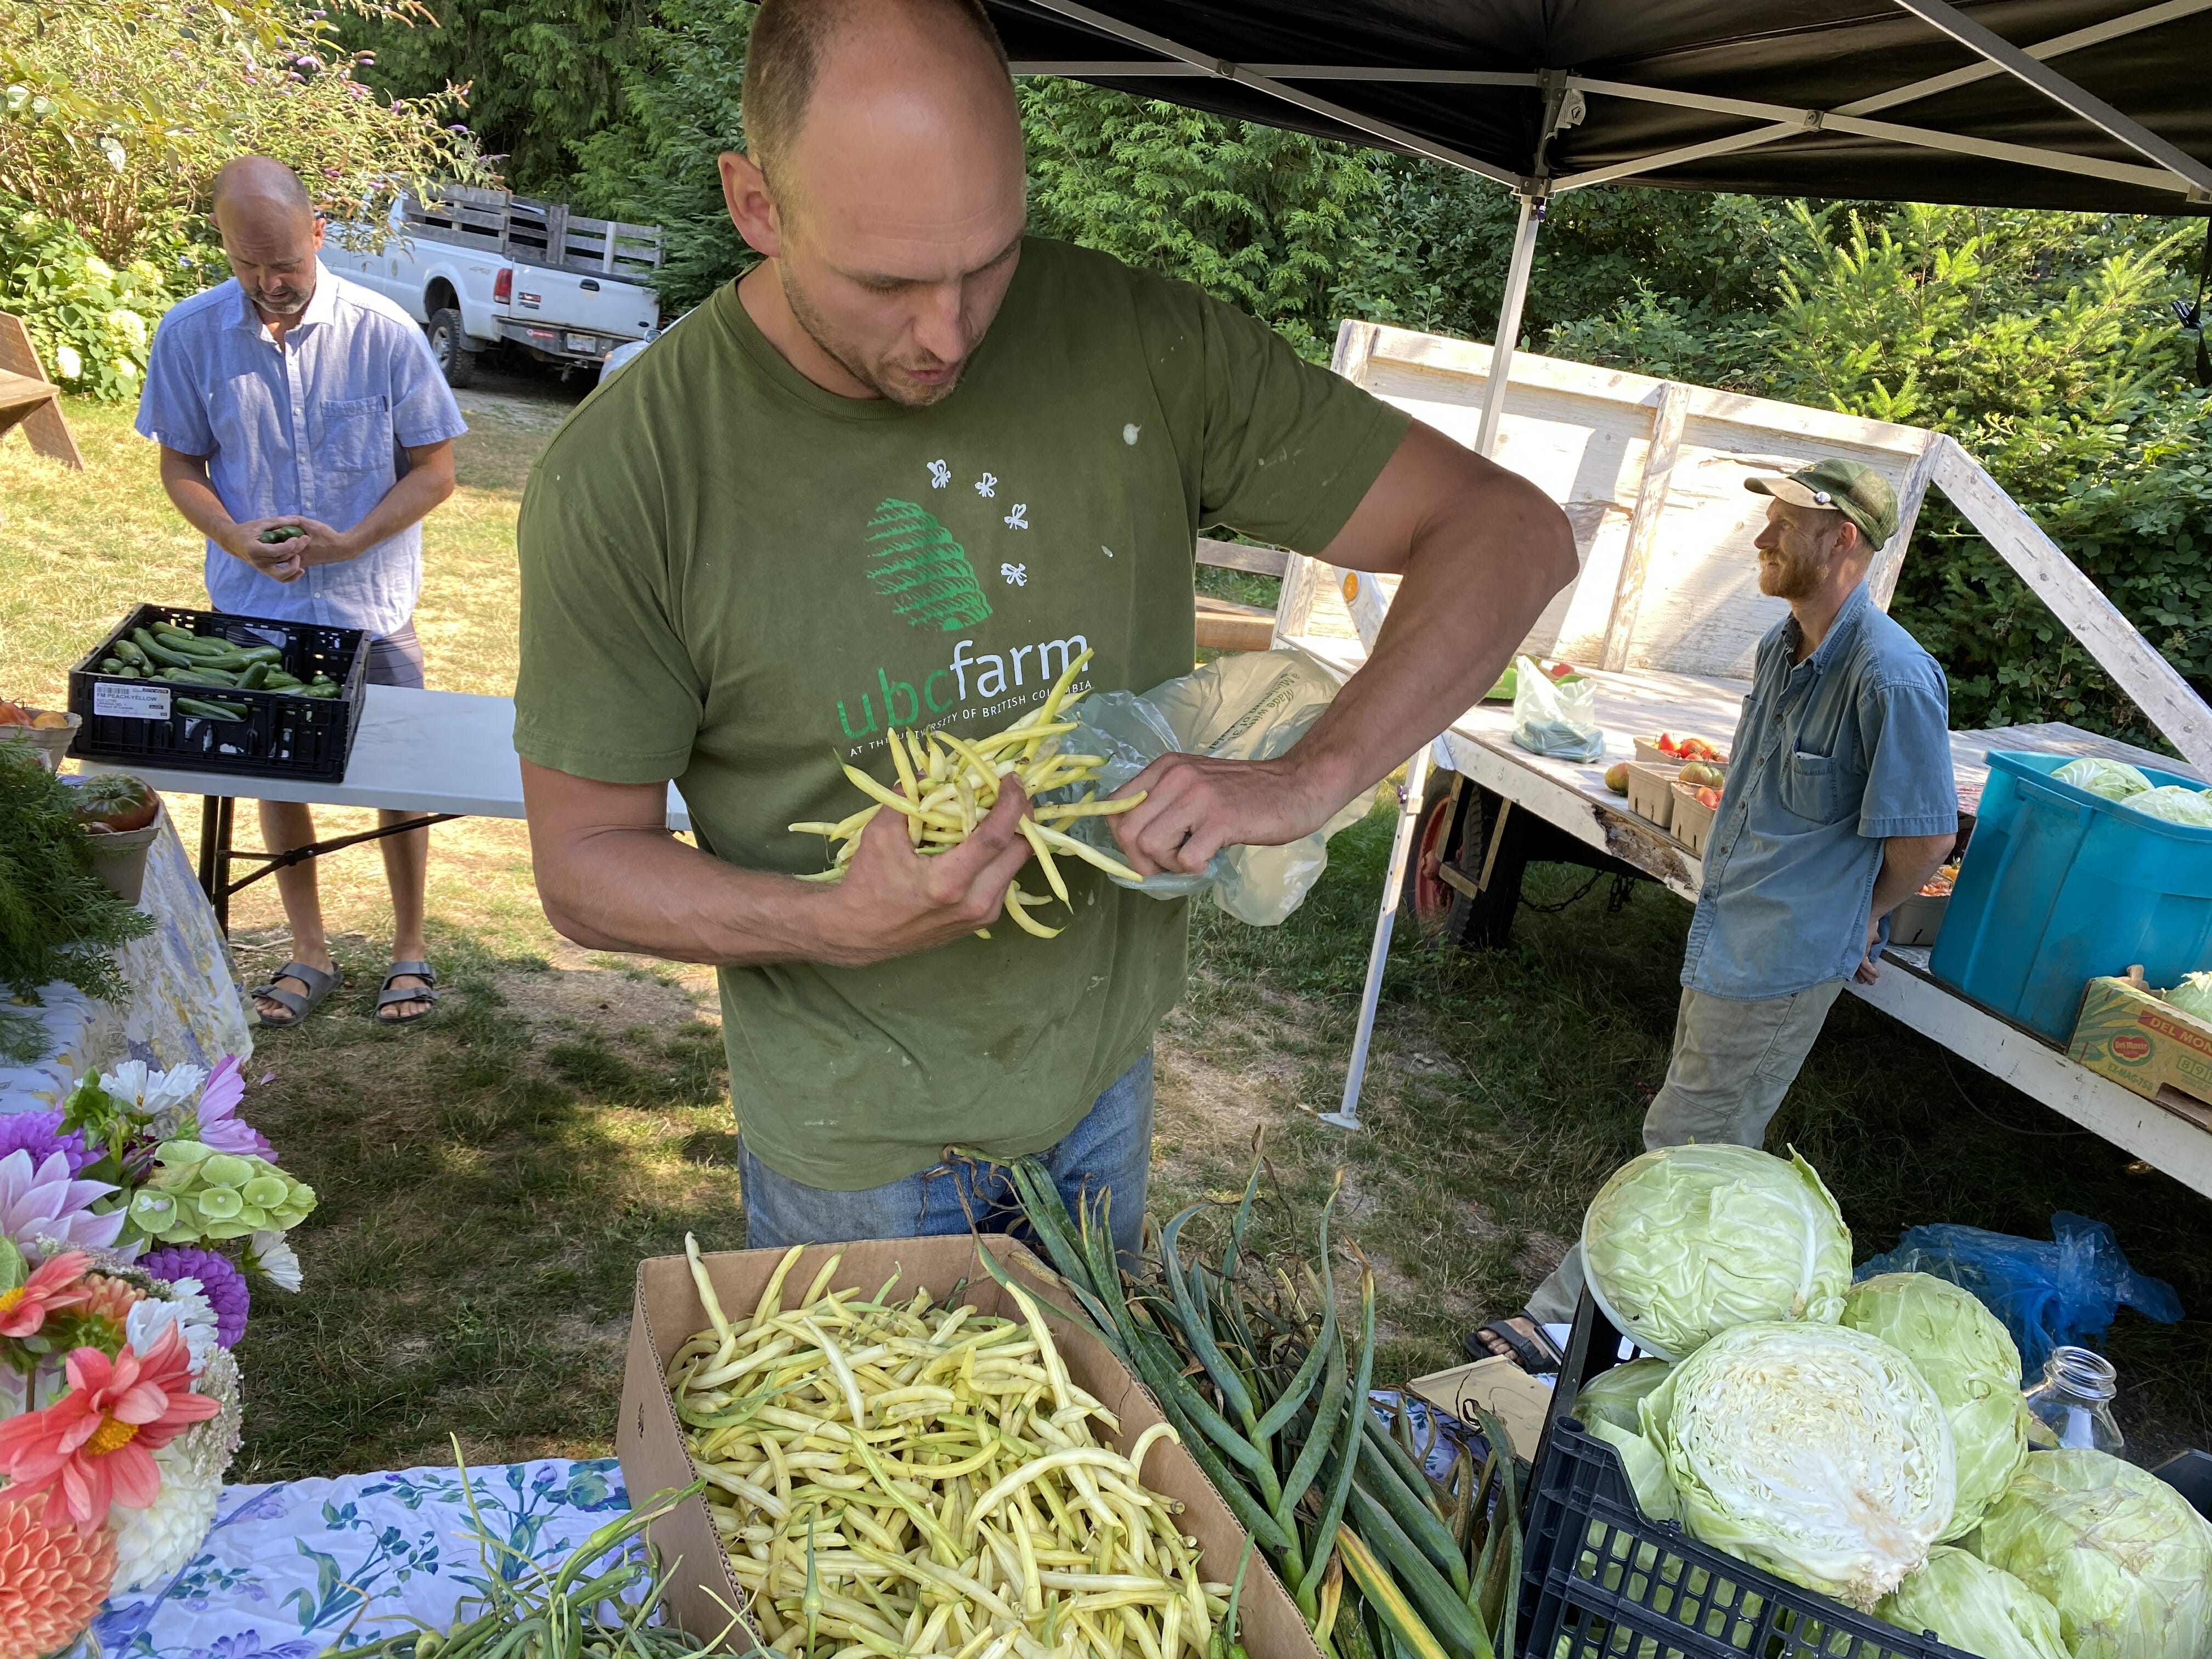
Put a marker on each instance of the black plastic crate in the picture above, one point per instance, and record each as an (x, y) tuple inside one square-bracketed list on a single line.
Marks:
[(282, 736), (1601, 1580)]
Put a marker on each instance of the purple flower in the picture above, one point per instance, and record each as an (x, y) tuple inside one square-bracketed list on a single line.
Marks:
[(39, 1199), (41, 1135), (220, 1126), (220, 1282)]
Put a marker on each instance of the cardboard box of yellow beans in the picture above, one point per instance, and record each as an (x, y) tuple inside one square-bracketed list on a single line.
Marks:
[(703, 1589)]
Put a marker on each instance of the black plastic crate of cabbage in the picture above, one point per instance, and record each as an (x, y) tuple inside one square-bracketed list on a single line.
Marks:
[(281, 735), (1600, 1580)]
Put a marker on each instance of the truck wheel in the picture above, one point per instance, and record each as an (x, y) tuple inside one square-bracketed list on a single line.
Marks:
[(449, 345)]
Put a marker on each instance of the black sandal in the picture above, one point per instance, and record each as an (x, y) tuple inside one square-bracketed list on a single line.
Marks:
[(1536, 1354), (393, 995)]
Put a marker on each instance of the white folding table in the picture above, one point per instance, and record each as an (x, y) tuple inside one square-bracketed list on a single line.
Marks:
[(446, 754)]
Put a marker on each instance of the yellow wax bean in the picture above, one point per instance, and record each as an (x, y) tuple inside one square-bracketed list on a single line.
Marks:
[(900, 760), (1084, 850), (1033, 832), (1017, 910)]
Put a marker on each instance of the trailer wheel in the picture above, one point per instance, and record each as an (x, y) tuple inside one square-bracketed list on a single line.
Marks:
[(449, 345), (1425, 902), (1483, 921)]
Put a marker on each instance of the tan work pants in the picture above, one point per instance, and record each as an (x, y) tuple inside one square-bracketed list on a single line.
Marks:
[(1733, 1063)]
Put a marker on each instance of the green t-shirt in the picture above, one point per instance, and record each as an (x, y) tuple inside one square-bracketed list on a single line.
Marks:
[(735, 579)]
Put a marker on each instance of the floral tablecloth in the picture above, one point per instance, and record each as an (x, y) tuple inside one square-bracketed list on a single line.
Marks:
[(292, 1569), (185, 1007)]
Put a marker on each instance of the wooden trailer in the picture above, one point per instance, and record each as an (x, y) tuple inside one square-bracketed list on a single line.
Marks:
[(1666, 615)]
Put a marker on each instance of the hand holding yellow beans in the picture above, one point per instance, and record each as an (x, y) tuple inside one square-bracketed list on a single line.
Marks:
[(948, 788), (893, 1480)]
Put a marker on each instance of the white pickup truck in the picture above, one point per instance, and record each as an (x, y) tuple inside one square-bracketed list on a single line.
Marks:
[(481, 269)]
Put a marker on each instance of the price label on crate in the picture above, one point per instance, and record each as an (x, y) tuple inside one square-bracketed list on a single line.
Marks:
[(132, 702)]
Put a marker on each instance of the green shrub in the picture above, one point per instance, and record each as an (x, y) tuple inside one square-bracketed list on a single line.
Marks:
[(92, 324)]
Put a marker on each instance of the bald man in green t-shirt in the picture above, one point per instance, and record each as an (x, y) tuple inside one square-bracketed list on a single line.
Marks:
[(900, 474)]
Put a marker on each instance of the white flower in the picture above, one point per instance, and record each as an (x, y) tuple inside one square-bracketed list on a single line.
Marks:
[(188, 1310), (268, 1254), (150, 1091), (128, 325), (69, 361), (153, 1544)]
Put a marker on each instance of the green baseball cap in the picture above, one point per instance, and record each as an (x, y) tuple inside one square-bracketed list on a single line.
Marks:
[(1859, 493)]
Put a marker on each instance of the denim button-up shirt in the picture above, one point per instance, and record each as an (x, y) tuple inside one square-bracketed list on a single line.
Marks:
[(1833, 756), (317, 427)]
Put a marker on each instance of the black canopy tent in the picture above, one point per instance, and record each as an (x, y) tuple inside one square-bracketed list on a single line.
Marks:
[(2101, 106)]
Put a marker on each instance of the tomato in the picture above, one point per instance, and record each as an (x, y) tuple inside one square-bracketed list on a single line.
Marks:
[(14, 713), (116, 802), (1709, 797)]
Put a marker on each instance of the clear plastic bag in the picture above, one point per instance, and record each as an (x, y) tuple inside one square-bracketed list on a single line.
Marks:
[(2064, 1290), (1555, 719), (1250, 705)]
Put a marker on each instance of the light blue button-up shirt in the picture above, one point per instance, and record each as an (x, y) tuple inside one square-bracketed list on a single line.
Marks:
[(319, 425), (1833, 756)]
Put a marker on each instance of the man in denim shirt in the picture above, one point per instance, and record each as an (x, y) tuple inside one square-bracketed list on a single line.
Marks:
[(287, 397), (1840, 804)]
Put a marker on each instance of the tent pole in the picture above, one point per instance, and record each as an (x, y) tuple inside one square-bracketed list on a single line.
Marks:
[(1416, 787), (1509, 322)]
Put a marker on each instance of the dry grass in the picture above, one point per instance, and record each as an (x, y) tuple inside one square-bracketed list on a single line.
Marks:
[(488, 1182)]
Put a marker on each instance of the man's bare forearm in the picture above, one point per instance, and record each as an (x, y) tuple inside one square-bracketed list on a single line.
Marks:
[(1907, 861), (611, 876), (1459, 611), (185, 483), (643, 891)]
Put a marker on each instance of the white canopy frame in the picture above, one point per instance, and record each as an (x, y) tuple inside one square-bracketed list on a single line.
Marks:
[(2171, 169)]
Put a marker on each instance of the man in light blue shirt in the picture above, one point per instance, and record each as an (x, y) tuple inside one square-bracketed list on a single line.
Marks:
[(289, 397), (1839, 807)]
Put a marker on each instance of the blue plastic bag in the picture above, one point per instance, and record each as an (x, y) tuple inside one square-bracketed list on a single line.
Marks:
[(2066, 1291)]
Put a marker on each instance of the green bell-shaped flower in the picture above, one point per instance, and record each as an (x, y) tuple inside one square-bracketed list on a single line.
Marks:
[(228, 1170), (266, 1192), (218, 1203), (152, 1211)]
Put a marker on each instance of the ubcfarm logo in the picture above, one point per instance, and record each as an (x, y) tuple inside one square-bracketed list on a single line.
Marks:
[(974, 685)]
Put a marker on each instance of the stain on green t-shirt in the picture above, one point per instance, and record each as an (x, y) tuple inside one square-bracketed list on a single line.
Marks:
[(735, 579)]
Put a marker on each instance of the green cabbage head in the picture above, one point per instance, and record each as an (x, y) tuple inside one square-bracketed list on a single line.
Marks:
[(1970, 1359), (1815, 1451), (1609, 1406), (2177, 803), (1613, 1396), (2121, 1555), (1975, 1607), (1687, 1241), (2113, 779), (2193, 995)]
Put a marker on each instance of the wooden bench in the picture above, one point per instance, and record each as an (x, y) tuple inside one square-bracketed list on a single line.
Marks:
[(29, 400)]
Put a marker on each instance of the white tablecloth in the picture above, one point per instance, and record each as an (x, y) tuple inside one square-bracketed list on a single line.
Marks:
[(184, 1006)]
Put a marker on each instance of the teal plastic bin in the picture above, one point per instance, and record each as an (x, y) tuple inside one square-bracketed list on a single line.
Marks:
[(2060, 886)]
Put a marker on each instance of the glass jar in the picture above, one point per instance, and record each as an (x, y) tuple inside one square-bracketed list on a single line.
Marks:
[(2073, 1404)]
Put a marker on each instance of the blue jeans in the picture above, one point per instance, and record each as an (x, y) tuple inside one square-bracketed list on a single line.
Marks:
[(1111, 1150)]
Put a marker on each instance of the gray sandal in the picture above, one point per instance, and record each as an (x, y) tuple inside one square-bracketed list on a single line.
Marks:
[(393, 995), (319, 985)]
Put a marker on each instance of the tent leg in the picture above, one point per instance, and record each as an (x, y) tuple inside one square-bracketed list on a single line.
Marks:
[(1417, 770), (1508, 323)]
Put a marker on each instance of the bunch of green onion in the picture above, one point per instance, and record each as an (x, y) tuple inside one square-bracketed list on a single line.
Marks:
[(1253, 1370)]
